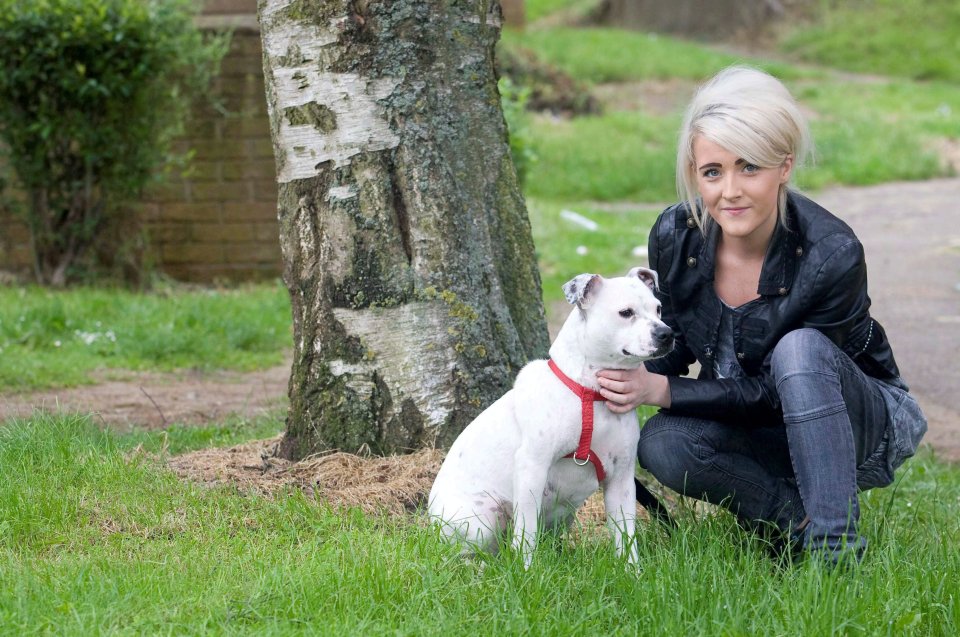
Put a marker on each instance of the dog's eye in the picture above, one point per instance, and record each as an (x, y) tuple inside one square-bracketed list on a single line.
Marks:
[(627, 313), (659, 311)]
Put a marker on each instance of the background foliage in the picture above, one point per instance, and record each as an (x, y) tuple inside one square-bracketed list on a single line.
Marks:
[(91, 94)]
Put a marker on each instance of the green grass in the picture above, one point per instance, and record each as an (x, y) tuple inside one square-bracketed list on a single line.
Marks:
[(609, 55), (56, 338), (609, 249), (918, 39), (596, 55), (95, 541), (616, 156), (179, 438), (866, 131)]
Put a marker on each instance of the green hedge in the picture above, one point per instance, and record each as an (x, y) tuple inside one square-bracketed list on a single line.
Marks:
[(91, 94)]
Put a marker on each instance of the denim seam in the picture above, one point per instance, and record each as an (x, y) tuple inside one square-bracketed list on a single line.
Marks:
[(806, 372), (813, 414)]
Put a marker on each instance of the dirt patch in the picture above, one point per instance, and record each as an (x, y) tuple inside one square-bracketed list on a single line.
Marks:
[(655, 97), (551, 90), (948, 150), (156, 400)]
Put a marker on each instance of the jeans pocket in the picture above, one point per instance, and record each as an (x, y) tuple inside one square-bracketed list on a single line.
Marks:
[(907, 426)]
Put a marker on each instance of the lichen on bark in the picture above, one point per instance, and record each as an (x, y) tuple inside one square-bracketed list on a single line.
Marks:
[(312, 114)]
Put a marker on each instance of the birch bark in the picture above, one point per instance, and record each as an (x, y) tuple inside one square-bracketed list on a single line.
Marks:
[(406, 244)]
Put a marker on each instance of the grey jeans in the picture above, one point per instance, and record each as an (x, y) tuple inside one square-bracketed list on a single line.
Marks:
[(842, 431)]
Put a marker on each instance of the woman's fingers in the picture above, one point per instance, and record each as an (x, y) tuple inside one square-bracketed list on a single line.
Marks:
[(613, 385)]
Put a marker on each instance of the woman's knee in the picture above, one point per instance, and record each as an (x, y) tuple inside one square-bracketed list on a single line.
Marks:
[(668, 449), (803, 350)]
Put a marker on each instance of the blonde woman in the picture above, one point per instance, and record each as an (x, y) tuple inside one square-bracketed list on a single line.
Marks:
[(799, 402)]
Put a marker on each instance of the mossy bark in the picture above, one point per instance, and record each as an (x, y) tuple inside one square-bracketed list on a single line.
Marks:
[(406, 243)]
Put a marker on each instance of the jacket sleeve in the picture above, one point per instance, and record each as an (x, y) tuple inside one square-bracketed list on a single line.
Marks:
[(837, 302), (838, 299), (751, 401), (660, 250)]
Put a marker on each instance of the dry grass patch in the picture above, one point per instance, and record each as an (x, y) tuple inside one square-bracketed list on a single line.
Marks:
[(394, 485)]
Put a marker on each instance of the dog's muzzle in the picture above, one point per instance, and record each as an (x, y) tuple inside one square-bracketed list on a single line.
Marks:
[(663, 340)]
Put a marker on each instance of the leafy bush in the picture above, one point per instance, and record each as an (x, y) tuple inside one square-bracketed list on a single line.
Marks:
[(91, 94), (548, 88), (514, 100)]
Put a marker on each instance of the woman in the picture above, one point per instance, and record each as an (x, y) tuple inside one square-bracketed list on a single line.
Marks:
[(799, 402)]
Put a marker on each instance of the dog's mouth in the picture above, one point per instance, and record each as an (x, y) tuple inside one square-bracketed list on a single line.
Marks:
[(657, 353), (663, 350)]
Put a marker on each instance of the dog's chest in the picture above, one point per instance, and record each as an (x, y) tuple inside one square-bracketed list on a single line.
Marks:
[(613, 442), (606, 432)]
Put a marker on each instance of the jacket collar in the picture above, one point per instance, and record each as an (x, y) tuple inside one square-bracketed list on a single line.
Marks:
[(780, 262)]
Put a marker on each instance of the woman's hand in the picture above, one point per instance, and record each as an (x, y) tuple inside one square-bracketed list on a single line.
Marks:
[(627, 389)]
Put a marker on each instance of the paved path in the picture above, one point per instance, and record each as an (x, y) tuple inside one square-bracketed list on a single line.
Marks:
[(911, 235)]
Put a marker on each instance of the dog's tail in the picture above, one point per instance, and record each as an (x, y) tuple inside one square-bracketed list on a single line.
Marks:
[(653, 506)]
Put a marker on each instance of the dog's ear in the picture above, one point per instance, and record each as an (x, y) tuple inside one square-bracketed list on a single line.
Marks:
[(579, 288), (648, 276)]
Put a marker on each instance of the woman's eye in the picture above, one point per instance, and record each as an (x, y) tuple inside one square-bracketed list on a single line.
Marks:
[(711, 173), (626, 313), (751, 168)]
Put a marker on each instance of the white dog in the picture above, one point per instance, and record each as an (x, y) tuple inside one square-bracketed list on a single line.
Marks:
[(531, 457)]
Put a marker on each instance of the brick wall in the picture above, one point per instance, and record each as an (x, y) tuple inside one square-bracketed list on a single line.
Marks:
[(15, 254), (219, 221)]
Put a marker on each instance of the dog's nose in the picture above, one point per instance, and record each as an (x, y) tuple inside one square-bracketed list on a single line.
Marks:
[(662, 336)]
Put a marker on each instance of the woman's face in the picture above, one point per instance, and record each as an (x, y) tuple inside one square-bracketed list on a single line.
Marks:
[(739, 196)]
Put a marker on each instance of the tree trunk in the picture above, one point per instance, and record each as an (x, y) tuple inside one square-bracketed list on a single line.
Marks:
[(406, 245), (715, 20)]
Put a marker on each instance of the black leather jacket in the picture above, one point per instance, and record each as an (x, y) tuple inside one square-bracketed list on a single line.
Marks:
[(813, 276)]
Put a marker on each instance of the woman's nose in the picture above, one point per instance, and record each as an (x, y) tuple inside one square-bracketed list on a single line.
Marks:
[(731, 187)]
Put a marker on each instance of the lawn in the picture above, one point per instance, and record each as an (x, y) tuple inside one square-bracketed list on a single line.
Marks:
[(911, 38), (60, 338), (98, 540)]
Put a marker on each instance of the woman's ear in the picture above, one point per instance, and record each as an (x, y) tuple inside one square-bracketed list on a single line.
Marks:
[(786, 168)]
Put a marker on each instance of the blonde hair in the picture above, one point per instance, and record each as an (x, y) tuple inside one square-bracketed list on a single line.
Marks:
[(752, 115)]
